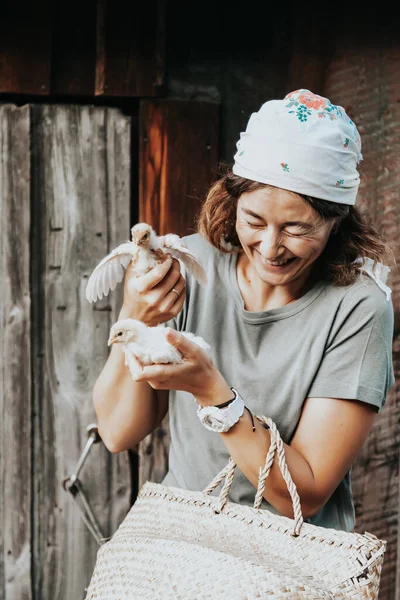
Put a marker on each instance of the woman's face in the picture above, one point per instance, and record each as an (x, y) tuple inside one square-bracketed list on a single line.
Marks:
[(281, 234)]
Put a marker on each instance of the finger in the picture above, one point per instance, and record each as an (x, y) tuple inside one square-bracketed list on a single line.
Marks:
[(157, 296), (153, 373), (185, 346), (176, 293), (153, 277), (171, 279), (133, 364)]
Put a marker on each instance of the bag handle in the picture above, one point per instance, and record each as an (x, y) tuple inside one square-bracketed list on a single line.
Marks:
[(228, 472)]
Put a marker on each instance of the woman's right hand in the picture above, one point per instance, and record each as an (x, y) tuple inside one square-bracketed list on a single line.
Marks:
[(156, 297)]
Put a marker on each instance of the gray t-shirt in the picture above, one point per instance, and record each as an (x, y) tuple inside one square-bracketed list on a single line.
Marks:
[(332, 342)]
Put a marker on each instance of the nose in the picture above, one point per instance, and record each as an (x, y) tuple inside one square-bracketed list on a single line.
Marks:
[(271, 243)]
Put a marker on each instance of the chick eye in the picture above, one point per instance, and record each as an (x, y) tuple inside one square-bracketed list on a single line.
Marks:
[(119, 333)]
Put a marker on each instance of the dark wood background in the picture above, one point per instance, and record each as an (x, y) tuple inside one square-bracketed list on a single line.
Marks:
[(111, 112)]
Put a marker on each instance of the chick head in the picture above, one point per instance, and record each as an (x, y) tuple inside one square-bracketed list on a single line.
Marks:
[(125, 330), (141, 234)]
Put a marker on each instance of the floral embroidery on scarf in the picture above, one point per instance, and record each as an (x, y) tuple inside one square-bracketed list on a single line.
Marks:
[(346, 143), (304, 103), (339, 182), (241, 153), (285, 167)]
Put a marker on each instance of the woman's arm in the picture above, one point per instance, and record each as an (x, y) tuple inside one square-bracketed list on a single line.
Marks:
[(328, 437), (127, 411)]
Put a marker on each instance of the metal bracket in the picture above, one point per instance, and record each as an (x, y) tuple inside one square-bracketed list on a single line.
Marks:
[(73, 485)]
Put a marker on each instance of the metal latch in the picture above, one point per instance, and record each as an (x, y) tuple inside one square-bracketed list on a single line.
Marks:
[(73, 485)]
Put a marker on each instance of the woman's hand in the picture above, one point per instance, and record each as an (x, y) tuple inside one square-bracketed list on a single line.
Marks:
[(196, 375), (156, 297)]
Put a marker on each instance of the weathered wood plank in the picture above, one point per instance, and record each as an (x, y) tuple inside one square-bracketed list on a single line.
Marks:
[(15, 378), (25, 47), (73, 60), (81, 210), (178, 153), (130, 48)]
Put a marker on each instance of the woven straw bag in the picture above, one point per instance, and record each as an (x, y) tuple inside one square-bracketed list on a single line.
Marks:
[(178, 544)]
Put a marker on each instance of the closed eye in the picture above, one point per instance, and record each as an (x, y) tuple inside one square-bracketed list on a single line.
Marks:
[(255, 224), (297, 233)]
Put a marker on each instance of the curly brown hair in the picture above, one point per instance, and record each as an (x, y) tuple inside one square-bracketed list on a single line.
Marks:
[(352, 237)]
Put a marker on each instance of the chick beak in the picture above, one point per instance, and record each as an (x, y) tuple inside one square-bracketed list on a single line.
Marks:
[(111, 340)]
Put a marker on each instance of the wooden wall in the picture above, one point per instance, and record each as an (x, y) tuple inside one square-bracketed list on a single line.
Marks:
[(65, 203), (91, 48), (61, 211)]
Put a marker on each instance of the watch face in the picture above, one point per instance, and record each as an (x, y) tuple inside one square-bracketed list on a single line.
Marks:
[(221, 419), (213, 422)]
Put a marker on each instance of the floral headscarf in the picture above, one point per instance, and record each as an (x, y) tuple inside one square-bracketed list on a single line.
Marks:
[(304, 144)]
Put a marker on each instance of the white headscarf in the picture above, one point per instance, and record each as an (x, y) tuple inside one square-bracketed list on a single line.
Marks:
[(304, 144)]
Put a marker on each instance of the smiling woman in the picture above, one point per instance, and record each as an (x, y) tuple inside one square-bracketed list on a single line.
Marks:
[(300, 326)]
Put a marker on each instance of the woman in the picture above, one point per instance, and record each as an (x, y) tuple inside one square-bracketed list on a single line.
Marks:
[(299, 331)]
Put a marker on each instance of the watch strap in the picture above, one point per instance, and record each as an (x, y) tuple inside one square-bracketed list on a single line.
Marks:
[(228, 402)]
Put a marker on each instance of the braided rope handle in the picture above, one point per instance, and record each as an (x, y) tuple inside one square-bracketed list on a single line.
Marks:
[(228, 472)]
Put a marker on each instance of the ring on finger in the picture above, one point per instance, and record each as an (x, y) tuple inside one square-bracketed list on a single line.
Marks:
[(176, 292)]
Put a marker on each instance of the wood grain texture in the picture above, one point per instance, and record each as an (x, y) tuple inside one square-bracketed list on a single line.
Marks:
[(15, 379), (130, 48), (178, 151), (178, 154), (25, 47), (80, 199)]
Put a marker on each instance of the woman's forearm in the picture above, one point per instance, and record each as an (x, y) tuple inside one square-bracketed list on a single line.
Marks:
[(126, 411), (249, 450)]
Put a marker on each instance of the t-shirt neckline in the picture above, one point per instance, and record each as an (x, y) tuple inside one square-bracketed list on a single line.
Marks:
[(273, 314)]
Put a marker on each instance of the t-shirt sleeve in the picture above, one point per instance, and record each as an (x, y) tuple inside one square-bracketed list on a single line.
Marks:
[(357, 361)]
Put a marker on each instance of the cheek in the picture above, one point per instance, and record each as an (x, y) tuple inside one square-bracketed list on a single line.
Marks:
[(305, 248)]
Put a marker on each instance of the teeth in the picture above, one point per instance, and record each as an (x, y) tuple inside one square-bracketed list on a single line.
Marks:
[(277, 263)]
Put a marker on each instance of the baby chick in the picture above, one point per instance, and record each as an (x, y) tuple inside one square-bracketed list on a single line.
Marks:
[(145, 251), (148, 344)]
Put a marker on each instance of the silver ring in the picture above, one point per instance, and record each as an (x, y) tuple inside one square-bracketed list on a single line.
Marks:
[(176, 292)]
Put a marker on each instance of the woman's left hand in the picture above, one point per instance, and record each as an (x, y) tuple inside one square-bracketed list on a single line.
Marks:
[(197, 374)]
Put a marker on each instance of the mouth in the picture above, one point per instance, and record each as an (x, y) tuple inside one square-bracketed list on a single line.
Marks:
[(278, 264)]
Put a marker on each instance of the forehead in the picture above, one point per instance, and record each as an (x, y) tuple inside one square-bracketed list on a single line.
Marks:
[(277, 203)]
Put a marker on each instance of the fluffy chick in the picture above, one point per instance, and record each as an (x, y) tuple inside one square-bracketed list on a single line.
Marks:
[(144, 251), (148, 344)]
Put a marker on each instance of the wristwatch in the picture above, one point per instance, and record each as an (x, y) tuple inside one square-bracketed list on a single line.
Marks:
[(221, 418)]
